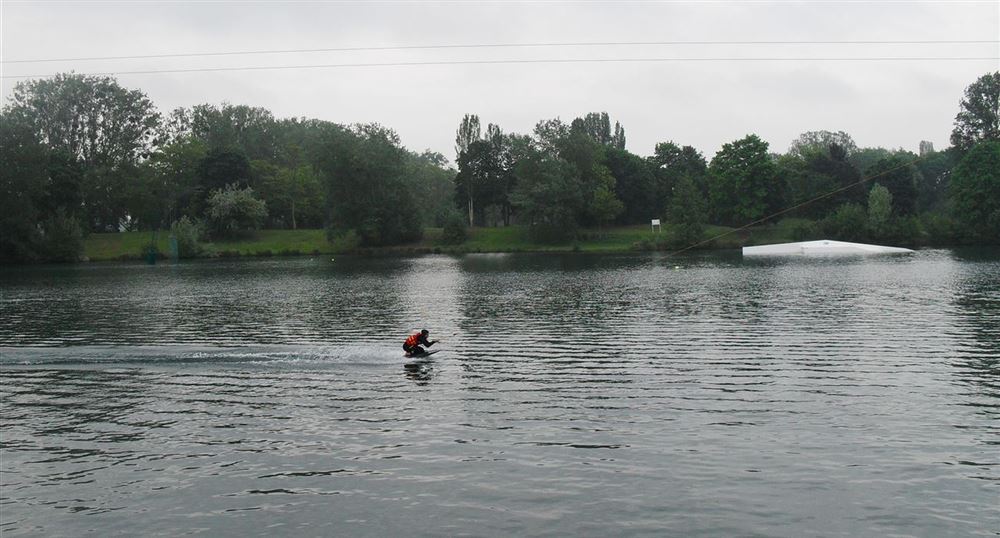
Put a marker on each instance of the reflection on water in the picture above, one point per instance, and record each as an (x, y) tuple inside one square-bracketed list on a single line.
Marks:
[(576, 395)]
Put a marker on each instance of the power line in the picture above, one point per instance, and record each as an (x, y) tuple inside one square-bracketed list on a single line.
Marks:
[(510, 45), (537, 61)]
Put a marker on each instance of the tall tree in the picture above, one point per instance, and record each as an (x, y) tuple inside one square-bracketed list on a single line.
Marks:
[(975, 193), (367, 192), (743, 176), (618, 139), (635, 186), (468, 132), (672, 162), (434, 183), (549, 133), (548, 196), (978, 118), (686, 213), (932, 181), (91, 117), (879, 210), (602, 204), (596, 125), (474, 181), (899, 176), (106, 127), (175, 172), (821, 141), (253, 130), (23, 174)]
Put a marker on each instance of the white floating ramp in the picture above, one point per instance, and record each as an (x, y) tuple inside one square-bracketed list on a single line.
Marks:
[(823, 247)]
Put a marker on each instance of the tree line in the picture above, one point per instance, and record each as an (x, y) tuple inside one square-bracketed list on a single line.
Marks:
[(81, 154)]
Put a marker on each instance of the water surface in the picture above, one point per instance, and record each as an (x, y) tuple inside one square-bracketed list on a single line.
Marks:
[(576, 395)]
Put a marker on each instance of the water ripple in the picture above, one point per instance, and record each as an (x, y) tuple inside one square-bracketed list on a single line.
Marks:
[(575, 396)]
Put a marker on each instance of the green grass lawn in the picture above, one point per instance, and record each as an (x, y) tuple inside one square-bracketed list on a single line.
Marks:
[(131, 245)]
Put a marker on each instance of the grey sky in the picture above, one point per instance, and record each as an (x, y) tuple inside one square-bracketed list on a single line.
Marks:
[(704, 104)]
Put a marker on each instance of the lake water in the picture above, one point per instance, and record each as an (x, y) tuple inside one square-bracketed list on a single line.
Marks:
[(575, 395)]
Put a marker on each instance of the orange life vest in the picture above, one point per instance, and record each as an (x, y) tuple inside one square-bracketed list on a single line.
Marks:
[(413, 340)]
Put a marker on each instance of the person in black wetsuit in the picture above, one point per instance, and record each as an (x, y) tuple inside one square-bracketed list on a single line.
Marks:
[(412, 344)]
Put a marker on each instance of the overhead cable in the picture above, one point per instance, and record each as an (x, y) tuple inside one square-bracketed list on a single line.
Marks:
[(507, 45), (529, 61)]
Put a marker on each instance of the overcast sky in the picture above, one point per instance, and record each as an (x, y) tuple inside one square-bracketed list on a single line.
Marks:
[(700, 103)]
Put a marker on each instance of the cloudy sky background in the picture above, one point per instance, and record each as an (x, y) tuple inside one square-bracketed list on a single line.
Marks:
[(700, 103)]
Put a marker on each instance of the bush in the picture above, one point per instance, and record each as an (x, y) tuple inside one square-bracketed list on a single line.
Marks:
[(847, 223), (904, 231), (188, 234), (62, 238), (806, 231), (455, 229), (342, 241), (938, 229), (234, 212)]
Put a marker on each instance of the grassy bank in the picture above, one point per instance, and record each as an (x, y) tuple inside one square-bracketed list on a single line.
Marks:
[(131, 245)]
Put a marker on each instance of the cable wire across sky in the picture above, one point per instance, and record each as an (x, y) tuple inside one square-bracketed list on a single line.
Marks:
[(526, 61), (506, 45)]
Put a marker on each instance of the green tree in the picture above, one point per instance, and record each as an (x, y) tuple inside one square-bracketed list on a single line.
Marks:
[(618, 139), (23, 173), (188, 233), (879, 210), (472, 162), (63, 184), (743, 181), (864, 158), (106, 127), (367, 192), (686, 213), (251, 130), (294, 196), (454, 230), (820, 141), (235, 212), (62, 237), (934, 172), (848, 223), (596, 125), (548, 135), (90, 117), (975, 193), (899, 175), (603, 206), (478, 170), (219, 168), (174, 174), (434, 184), (823, 172), (548, 196), (671, 162), (978, 118), (635, 185), (468, 132)]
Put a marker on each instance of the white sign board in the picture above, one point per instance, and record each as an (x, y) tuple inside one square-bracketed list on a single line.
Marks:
[(656, 222), (654, 225)]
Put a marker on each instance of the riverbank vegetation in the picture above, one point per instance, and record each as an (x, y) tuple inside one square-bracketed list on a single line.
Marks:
[(93, 170), (134, 245)]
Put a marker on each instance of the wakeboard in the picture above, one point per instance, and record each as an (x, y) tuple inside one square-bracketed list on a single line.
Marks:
[(423, 355)]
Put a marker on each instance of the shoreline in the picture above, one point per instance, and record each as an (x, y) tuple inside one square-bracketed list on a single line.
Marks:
[(132, 246)]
